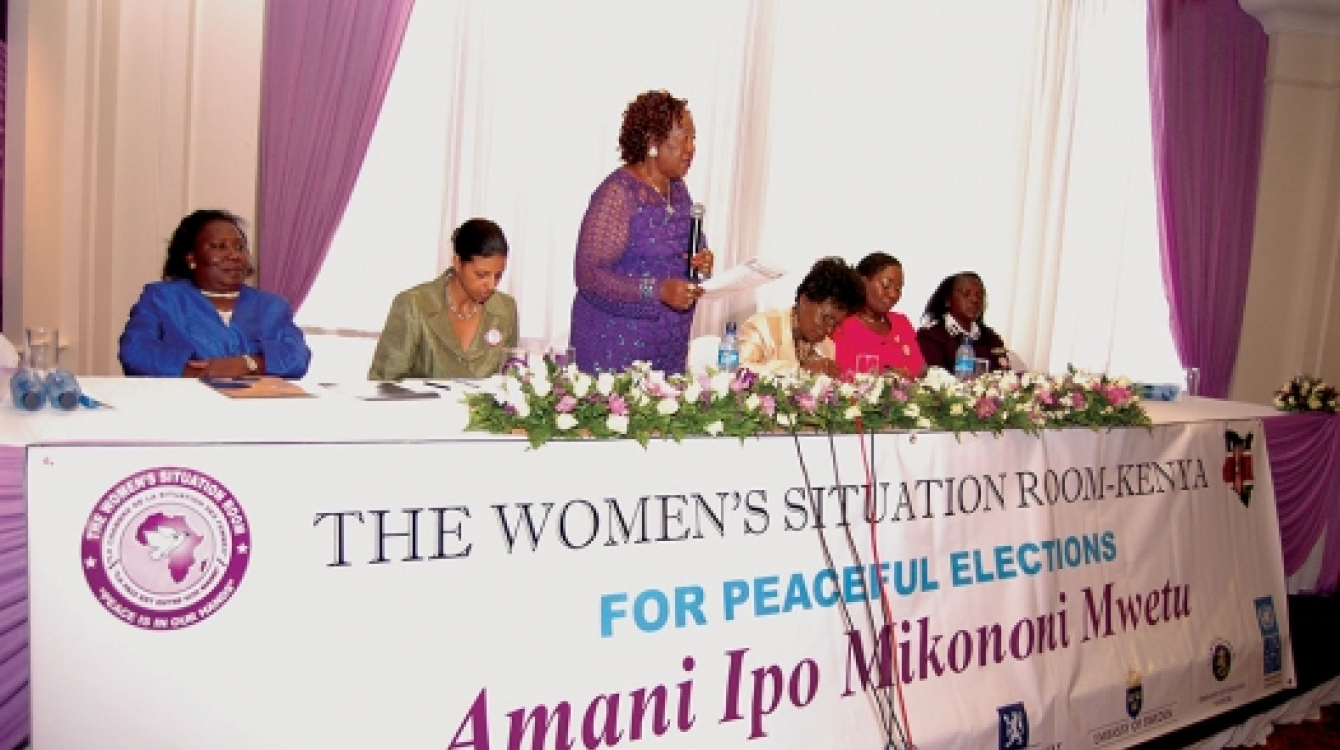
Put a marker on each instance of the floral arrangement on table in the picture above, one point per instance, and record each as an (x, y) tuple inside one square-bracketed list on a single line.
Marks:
[(1306, 393), (544, 400)]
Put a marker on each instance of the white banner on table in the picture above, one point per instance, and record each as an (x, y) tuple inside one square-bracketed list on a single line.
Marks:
[(1082, 589)]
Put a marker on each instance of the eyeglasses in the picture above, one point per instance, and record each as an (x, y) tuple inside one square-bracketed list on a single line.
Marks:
[(223, 246), (827, 316)]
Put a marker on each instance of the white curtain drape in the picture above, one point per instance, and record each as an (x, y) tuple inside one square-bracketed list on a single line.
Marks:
[(1007, 138)]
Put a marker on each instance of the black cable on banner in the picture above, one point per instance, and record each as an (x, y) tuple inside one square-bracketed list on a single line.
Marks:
[(906, 725), (888, 719), (886, 702)]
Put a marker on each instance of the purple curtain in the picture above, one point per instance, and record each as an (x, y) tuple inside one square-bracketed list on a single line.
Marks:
[(1207, 67), (4, 76), (14, 706), (1305, 466), (326, 67)]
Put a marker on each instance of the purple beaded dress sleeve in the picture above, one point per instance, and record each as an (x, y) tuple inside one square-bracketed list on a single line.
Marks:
[(629, 235)]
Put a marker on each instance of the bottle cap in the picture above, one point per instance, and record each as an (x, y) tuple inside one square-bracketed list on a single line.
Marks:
[(730, 326)]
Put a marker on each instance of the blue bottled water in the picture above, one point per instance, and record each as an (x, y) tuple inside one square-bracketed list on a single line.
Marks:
[(25, 388), (963, 359), (728, 351), (62, 390)]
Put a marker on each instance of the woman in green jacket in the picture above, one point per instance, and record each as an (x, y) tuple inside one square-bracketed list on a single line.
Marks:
[(458, 325)]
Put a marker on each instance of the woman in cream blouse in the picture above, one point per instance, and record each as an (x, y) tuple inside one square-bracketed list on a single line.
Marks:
[(798, 335)]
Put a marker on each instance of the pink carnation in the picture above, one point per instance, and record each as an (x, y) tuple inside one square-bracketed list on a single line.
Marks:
[(618, 406), (565, 404), (986, 407), (1117, 396)]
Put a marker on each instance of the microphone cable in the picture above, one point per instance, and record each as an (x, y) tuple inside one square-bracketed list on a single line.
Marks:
[(905, 726), (884, 707)]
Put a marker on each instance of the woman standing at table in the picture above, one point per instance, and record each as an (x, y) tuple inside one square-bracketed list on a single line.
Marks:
[(798, 335), (634, 300), (202, 320), (956, 310), (876, 329), (458, 325)]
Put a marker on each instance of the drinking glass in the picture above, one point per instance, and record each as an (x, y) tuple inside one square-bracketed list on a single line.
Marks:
[(1193, 381), (980, 367), (867, 364), (42, 343)]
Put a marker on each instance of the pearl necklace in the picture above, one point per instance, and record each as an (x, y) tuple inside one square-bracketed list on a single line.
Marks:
[(220, 295), (456, 310)]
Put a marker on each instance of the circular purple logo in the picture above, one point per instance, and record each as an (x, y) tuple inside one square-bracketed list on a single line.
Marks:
[(165, 548)]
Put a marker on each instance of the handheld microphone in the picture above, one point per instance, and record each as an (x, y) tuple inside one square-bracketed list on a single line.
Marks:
[(695, 240)]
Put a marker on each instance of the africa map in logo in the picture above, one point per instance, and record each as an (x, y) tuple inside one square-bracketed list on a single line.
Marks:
[(165, 548)]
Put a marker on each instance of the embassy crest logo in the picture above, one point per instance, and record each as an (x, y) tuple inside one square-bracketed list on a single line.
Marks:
[(1135, 694), (1272, 646), (1221, 660), (1238, 472), (1013, 734), (165, 548)]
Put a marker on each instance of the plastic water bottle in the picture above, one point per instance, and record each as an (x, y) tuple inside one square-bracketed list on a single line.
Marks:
[(62, 390), (728, 351), (25, 387), (963, 359)]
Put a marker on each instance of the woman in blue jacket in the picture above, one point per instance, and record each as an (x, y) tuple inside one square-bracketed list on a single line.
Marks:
[(202, 320)]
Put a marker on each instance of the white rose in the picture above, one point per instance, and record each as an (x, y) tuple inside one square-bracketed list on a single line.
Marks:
[(912, 411), (693, 392), (819, 385), (667, 406), (876, 388), (541, 386), (846, 390), (938, 377), (852, 412), (565, 421), (605, 384), (956, 410), (617, 423), (784, 420), (752, 402), (714, 428), (924, 423), (721, 383), (581, 385), (522, 407)]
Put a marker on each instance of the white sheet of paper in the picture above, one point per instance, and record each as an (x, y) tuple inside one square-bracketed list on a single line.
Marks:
[(747, 275)]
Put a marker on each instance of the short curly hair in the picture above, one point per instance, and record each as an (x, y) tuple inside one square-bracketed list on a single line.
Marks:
[(832, 280), (649, 118), (183, 240), (938, 305)]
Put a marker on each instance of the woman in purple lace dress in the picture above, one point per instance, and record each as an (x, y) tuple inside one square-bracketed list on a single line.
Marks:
[(634, 299)]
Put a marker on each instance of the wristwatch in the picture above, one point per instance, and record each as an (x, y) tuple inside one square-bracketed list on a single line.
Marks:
[(252, 364)]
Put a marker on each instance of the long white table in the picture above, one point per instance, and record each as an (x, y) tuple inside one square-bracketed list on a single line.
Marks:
[(330, 572)]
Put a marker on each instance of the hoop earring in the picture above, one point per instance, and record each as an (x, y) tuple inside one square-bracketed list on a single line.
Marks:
[(651, 152)]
